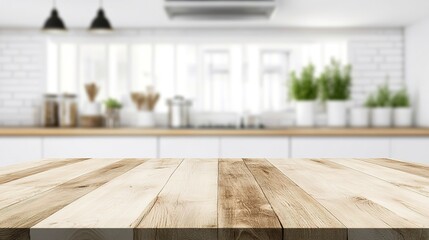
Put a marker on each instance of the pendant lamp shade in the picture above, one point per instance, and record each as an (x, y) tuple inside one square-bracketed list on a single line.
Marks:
[(100, 23), (54, 23)]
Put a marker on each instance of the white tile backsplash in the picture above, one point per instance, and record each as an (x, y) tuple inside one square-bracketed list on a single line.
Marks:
[(373, 59), (22, 78)]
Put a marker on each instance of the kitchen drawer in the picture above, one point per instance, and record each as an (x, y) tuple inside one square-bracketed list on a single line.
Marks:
[(189, 147), (254, 147), (100, 147), (414, 149), (15, 150), (340, 147)]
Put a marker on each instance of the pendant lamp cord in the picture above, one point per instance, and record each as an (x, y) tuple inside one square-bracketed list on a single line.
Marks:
[(101, 3), (54, 3)]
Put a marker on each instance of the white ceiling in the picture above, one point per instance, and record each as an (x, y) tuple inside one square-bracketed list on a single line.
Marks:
[(150, 13)]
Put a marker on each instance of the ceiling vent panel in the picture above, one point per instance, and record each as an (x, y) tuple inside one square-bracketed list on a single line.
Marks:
[(220, 9)]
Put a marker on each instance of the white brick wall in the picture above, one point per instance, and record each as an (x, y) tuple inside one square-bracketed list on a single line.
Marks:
[(22, 77), (374, 57), (374, 54)]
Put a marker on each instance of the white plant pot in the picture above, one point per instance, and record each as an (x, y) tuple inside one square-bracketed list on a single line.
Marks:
[(359, 117), (305, 113), (381, 117), (402, 117), (145, 119), (337, 113)]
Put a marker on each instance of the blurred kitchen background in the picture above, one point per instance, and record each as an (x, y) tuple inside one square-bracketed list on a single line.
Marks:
[(210, 64)]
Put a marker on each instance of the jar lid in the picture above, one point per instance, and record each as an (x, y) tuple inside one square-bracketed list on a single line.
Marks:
[(50, 95), (68, 95), (180, 100)]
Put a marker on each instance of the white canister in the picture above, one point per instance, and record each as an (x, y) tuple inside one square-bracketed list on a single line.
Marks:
[(359, 117), (91, 109), (305, 113), (145, 119), (337, 113), (402, 117), (381, 117)]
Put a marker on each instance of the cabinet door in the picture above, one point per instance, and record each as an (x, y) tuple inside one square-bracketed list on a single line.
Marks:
[(411, 149), (189, 147), (15, 150), (100, 147), (254, 147), (339, 147)]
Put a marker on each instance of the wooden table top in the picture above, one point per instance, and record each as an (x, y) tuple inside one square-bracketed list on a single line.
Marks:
[(139, 199)]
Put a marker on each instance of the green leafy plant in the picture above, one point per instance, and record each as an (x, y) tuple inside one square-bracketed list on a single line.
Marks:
[(401, 99), (381, 98), (112, 103), (370, 101), (335, 81), (304, 87)]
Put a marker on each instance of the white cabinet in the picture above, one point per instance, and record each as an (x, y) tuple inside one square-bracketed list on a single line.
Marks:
[(412, 149), (254, 147), (189, 147), (340, 147), (14, 150), (100, 147)]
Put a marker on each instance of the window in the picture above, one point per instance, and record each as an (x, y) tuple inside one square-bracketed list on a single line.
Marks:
[(245, 77)]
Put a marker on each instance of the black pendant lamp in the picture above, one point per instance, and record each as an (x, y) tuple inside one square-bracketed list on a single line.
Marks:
[(54, 23), (101, 24)]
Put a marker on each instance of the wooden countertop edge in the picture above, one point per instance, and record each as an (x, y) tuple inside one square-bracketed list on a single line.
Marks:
[(363, 132)]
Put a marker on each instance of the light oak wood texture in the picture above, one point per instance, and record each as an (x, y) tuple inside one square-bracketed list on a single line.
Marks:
[(8, 177), (301, 216), (188, 200), (243, 206), (25, 165), (123, 202), (413, 168), (17, 219), (366, 205), (376, 132), (28, 186), (193, 199), (406, 180)]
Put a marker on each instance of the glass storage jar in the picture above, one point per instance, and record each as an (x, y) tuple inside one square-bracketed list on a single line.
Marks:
[(68, 110), (50, 111)]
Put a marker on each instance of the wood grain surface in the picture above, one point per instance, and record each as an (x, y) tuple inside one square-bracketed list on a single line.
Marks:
[(341, 132), (228, 199)]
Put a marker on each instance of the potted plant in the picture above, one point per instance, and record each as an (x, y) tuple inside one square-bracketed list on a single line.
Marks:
[(402, 112), (112, 112), (381, 110), (304, 90), (335, 83), (359, 116)]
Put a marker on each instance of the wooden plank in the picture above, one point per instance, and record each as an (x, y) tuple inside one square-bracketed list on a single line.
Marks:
[(25, 165), (8, 177), (23, 188), (368, 206), (301, 216), (112, 210), (402, 179), (187, 206), (16, 220), (413, 168), (243, 210)]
